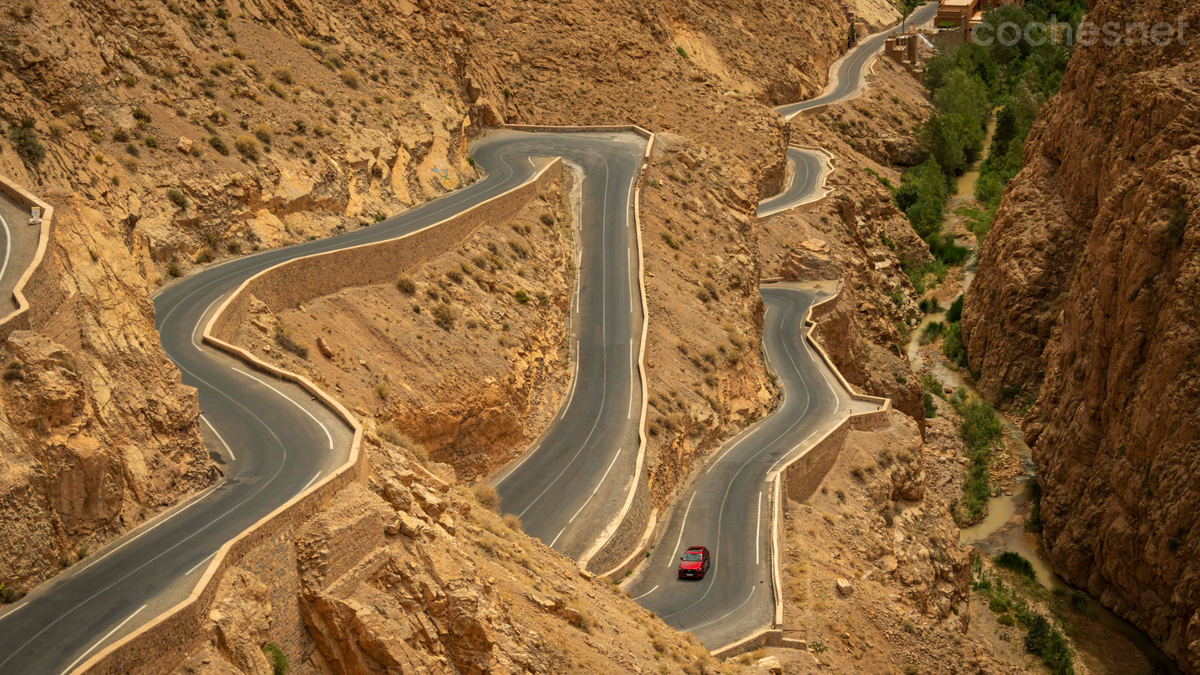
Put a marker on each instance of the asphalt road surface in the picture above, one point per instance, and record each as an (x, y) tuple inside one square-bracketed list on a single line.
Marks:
[(273, 441), (805, 168), (727, 505), (18, 245), (850, 67)]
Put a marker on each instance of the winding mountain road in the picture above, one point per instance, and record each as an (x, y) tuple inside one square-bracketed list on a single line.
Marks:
[(273, 440), (727, 506)]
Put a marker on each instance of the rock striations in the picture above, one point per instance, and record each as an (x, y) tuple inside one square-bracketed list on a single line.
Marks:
[(1088, 291)]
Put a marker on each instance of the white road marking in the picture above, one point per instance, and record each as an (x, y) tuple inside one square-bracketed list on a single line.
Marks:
[(289, 398), (105, 554), (671, 560), (514, 469), (556, 538), (645, 594), (728, 614), (574, 382), (196, 343), (210, 557), (13, 611), (718, 460), (214, 430), (634, 377), (7, 246), (785, 455), (101, 641), (758, 528), (310, 482), (610, 466)]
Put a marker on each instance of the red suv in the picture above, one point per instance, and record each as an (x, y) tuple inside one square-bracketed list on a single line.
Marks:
[(694, 563)]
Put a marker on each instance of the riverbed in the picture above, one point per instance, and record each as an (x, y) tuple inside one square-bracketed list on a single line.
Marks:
[(1109, 644)]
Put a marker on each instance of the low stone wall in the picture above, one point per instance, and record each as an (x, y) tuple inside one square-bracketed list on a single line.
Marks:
[(285, 286), (632, 538), (267, 548), (802, 477), (586, 129), (37, 293)]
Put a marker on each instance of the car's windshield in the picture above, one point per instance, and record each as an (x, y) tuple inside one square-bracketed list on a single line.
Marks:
[(692, 557)]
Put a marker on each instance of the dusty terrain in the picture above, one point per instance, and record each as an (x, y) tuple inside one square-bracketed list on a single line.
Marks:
[(452, 588), (1087, 295), (859, 235), (473, 390), (212, 130)]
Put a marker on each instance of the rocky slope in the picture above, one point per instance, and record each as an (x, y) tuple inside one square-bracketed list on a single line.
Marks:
[(211, 130), (472, 386), (98, 433), (1087, 295), (857, 234), (451, 588)]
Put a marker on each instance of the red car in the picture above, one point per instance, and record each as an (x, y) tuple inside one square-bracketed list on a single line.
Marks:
[(694, 563)]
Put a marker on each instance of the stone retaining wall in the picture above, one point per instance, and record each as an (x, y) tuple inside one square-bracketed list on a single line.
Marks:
[(285, 286), (267, 548), (37, 293), (802, 477)]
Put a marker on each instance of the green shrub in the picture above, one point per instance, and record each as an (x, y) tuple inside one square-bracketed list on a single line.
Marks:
[(953, 346), (1047, 642), (205, 255), (1006, 620), (930, 332), (954, 314), (522, 297), (276, 657), (1017, 563), (15, 370), (218, 144), (681, 51), (930, 408), (26, 143), (177, 198), (670, 240)]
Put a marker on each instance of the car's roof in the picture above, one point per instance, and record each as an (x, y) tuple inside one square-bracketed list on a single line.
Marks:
[(696, 548)]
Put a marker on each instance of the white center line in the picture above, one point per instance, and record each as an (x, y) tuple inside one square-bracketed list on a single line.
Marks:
[(645, 594), (556, 538), (758, 528), (210, 557), (302, 408), (214, 430), (671, 560), (610, 466), (110, 633), (310, 482), (196, 343)]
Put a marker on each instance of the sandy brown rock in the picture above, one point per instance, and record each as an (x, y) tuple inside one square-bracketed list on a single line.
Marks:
[(1087, 294), (99, 434)]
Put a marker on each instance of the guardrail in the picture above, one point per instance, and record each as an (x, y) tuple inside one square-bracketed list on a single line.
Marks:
[(22, 318), (159, 646)]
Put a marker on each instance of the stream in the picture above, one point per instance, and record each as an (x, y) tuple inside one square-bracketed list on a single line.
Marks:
[(1002, 528)]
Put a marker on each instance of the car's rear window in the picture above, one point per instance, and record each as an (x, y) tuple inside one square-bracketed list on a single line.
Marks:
[(692, 557)]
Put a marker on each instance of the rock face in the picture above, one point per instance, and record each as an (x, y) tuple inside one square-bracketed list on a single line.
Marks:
[(1087, 292), (97, 434), (409, 574)]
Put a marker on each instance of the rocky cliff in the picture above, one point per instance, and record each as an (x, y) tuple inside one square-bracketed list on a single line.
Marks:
[(98, 433), (451, 588), (1087, 294)]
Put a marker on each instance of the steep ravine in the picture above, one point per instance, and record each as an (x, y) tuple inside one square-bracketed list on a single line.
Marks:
[(1087, 294)]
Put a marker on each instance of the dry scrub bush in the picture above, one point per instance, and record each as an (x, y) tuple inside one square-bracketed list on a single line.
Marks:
[(486, 496), (350, 77), (248, 147), (511, 521)]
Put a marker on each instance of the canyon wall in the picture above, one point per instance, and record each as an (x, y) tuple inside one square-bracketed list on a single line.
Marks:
[(1088, 293)]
